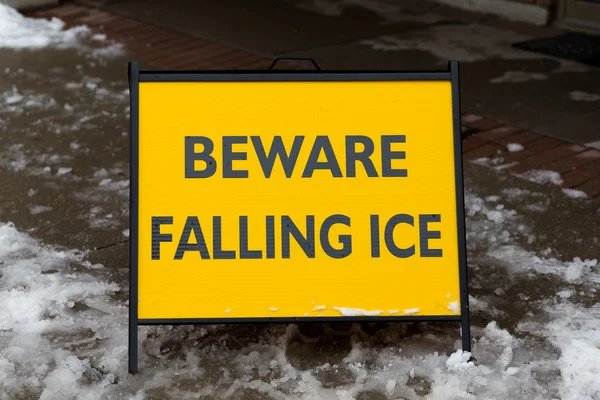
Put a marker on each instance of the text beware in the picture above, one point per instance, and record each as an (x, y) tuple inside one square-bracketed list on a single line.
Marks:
[(200, 163)]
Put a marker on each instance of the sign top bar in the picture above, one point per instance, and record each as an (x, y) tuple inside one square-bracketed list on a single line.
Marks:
[(286, 76)]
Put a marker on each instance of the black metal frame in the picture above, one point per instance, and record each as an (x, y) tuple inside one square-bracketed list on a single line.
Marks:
[(136, 76)]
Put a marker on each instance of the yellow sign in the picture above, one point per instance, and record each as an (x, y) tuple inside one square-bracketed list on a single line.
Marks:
[(281, 198)]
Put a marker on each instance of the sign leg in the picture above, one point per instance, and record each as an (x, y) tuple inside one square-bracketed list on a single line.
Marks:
[(465, 330), (133, 345)]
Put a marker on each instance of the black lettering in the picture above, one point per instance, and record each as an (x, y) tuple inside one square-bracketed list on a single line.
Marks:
[(192, 225), (425, 235), (352, 156), (229, 156), (387, 155), (389, 235), (158, 237), (306, 243), (375, 244), (245, 253), (218, 252), (191, 157), (344, 240), (267, 162), (313, 163), (270, 236)]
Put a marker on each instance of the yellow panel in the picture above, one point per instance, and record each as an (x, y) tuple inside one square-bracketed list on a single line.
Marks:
[(357, 284)]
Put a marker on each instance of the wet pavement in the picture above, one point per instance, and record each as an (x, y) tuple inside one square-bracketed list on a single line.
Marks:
[(552, 96), (64, 173)]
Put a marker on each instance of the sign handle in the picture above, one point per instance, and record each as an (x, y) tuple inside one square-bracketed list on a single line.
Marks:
[(312, 60), (134, 79)]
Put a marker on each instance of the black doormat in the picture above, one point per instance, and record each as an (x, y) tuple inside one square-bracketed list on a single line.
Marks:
[(578, 47)]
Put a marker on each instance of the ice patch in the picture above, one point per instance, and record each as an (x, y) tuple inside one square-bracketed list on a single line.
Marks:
[(542, 176), (519, 76), (13, 99), (390, 385), (518, 261), (564, 294), (273, 309), (583, 96), (63, 171), (514, 147), (35, 210), (575, 194)]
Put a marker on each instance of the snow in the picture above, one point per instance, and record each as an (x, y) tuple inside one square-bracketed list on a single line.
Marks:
[(18, 32), (35, 210), (459, 361), (578, 95), (574, 193), (320, 308), (514, 147), (390, 385), (13, 99), (63, 170), (354, 312), (542, 176), (36, 290), (453, 306), (411, 311)]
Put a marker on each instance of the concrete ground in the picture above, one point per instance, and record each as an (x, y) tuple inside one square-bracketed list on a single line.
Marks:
[(64, 176)]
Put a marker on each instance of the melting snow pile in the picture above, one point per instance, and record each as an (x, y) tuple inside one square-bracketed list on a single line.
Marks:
[(19, 32), (50, 312)]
